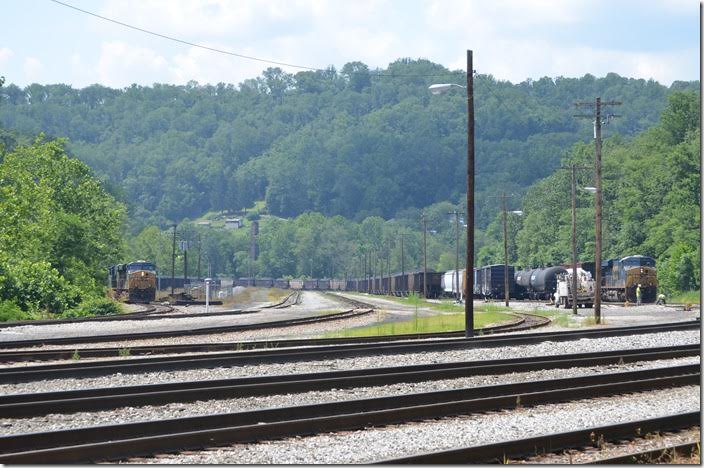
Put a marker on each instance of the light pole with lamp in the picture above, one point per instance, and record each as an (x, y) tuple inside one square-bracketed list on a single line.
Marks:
[(573, 169), (469, 269)]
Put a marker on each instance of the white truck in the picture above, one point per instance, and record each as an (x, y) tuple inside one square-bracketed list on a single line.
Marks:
[(585, 289)]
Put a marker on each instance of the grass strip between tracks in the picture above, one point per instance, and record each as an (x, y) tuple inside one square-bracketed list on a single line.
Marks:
[(145, 438)]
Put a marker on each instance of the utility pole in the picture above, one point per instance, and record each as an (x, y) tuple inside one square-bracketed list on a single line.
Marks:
[(403, 269), (199, 254), (469, 302), (457, 254), (185, 267), (597, 121), (504, 213), (173, 262), (503, 204), (573, 169), (388, 269), (425, 257)]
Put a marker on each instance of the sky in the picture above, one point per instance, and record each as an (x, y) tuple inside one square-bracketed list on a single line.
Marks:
[(44, 42)]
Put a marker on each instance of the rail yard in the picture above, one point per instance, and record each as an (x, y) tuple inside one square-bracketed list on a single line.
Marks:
[(263, 384)]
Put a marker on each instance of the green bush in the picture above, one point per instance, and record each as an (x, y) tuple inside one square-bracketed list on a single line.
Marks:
[(9, 311), (36, 286), (93, 307)]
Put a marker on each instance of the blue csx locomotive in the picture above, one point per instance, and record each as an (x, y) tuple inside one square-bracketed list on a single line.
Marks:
[(133, 282)]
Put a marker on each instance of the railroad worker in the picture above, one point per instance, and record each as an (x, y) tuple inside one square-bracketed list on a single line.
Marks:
[(661, 299), (638, 295)]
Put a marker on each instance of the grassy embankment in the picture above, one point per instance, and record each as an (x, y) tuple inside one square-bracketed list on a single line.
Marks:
[(451, 318), (688, 297)]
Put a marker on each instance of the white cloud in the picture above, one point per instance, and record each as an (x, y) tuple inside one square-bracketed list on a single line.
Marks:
[(121, 64), (33, 70), (209, 18), (5, 55), (511, 39), (204, 67)]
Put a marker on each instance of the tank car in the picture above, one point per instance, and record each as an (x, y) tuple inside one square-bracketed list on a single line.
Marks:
[(543, 282)]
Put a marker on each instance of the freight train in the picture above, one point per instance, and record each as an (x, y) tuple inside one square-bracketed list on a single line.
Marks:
[(620, 277), (133, 282)]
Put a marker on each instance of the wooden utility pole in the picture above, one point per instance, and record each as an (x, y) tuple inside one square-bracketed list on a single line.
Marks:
[(199, 252), (597, 121), (469, 269), (503, 205), (173, 262), (425, 257), (504, 216)]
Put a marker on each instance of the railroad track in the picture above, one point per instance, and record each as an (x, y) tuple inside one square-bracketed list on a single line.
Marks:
[(278, 351), (523, 322), (157, 312), (33, 404), (190, 332), (149, 312), (590, 437), (120, 441), (240, 358)]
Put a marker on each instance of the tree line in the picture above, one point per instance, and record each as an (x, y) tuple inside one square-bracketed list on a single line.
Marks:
[(340, 167), (354, 142)]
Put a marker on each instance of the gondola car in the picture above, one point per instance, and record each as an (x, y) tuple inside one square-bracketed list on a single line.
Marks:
[(133, 282)]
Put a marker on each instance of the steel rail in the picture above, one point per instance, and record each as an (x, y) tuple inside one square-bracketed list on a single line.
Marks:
[(29, 355), (71, 401), (69, 353), (16, 374), (189, 332), (149, 314), (145, 438), (657, 455), (137, 315), (502, 451)]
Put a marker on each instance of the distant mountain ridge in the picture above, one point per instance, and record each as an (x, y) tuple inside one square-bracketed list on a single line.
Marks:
[(354, 142)]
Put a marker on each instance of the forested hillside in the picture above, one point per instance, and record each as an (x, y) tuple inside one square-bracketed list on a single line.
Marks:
[(651, 192), (354, 142)]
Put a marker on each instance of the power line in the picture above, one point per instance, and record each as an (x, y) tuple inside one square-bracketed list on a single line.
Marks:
[(225, 52)]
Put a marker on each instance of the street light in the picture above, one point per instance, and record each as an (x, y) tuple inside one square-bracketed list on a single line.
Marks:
[(469, 268), (443, 87)]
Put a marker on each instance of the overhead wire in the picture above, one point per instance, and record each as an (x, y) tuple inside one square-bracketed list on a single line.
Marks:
[(233, 54)]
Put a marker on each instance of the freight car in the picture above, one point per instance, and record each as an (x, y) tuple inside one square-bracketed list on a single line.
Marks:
[(538, 283), (264, 282), (133, 282), (450, 284), (492, 283)]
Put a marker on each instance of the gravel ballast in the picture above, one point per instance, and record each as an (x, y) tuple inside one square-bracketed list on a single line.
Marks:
[(375, 444), (56, 422), (546, 348)]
